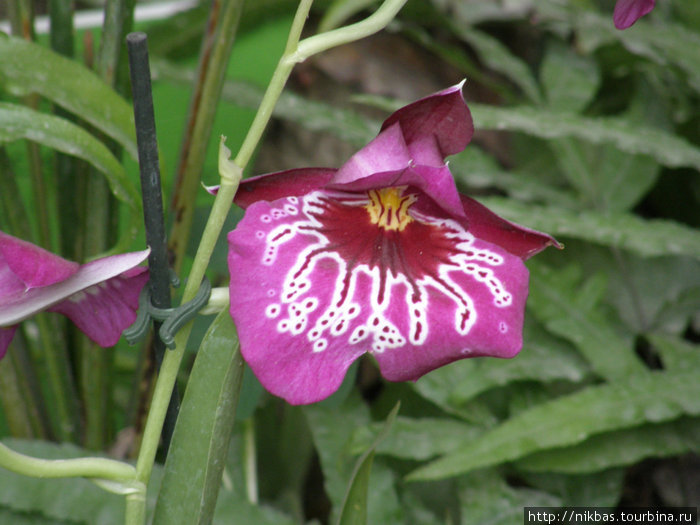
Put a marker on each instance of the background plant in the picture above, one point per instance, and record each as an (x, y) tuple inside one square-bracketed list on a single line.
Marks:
[(585, 132)]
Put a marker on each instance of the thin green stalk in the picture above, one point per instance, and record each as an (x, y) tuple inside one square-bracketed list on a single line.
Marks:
[(59, 380), (39, 188), (35, 405), (95, 363), (216, 50), (61, 37), (14, 213), (21, 18), (14, 407), (100, 468), (344, 35), (250, 460), (66, 166), (118, 21)]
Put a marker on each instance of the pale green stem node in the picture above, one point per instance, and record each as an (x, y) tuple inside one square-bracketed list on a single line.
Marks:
[(229, 171)]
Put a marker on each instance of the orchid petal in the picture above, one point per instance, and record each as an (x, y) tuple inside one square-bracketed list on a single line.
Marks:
[(289, 183), (104, 310), (273, 186), (31, 264), (34, 300), (516, 239), (6, 335), (326, 282), (627, 12), (436, 126), (387, 152)]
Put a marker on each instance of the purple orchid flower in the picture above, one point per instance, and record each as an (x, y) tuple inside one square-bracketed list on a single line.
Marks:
[(100, 297), (627, 12), (382, 256)]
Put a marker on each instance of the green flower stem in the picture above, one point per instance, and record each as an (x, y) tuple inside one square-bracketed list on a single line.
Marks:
[(295, 52), (99, 468), (211, 73), (344, 35)]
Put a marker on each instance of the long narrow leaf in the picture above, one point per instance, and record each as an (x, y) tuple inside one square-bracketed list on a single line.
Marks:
[(354, 510), (569, 309), (200, 442), (26, 67), (628, 136), (19, 122), (647, 398), (619, 448)]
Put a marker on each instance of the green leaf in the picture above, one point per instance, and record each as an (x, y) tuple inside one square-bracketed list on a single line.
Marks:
[(487, 499), (630, 137), (570, 79), (499, 58), (665, 44), (543, 358), (659, 293), (676, 353), (332, 427), (199, 446), (619, 448), (599, 489), (233, 509), (415, 438), (475, 169), (622, 230), (354, 508), (19, 122), (569, 420), (26, 67), (568, 309)]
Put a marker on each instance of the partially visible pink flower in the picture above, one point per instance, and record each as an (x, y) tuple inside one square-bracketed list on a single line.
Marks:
[(381, 256), (100, 297), (627, 12)]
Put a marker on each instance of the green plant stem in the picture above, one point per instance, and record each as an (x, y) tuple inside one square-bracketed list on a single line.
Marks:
[(14, 405), (60, 380), (118, 20), (222, 204), (21, 18), (250, 460), (344, 35), (211, 72), (67, 167), (101, 468)]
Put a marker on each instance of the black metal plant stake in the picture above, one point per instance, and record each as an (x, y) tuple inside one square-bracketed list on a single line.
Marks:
[(160, 277)]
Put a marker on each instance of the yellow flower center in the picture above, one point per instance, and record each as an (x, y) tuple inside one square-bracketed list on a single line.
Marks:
[(388, 208)]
